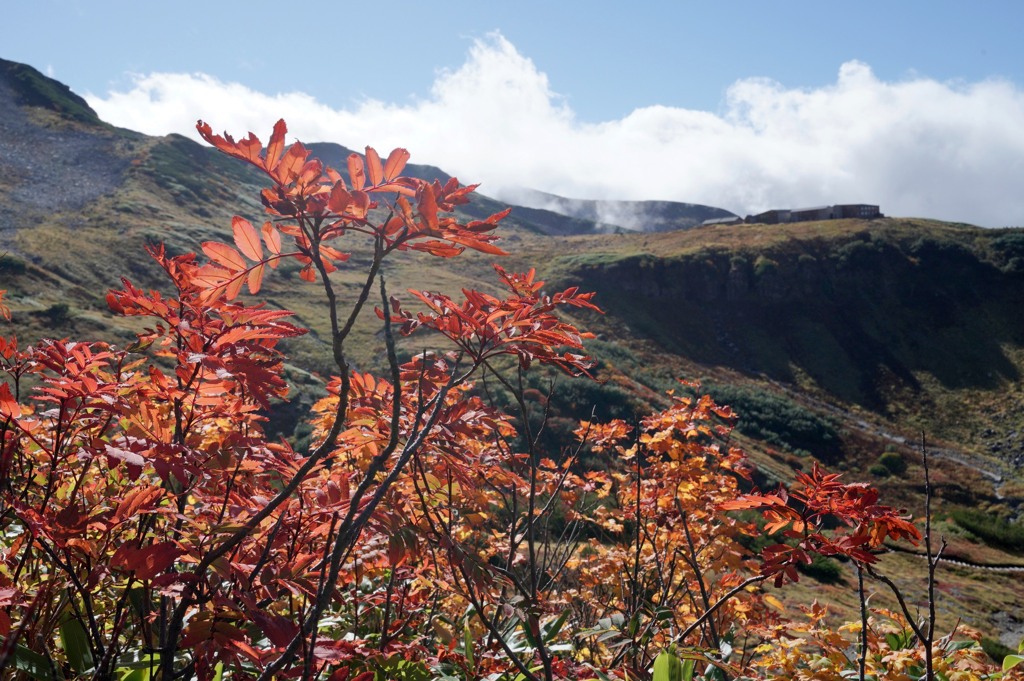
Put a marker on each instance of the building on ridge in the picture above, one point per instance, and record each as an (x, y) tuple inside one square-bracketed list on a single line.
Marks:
[(862, 211)]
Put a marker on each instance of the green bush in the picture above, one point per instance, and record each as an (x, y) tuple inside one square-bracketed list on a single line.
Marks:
[(611, 353), (779, 421), (823, 569), (855, 254), (56, 315), (764, 265), (1009, 252), (738, 262), (11, 266), (606, 401), (879, 470), (995, 649), (893, 462), (991, 529)]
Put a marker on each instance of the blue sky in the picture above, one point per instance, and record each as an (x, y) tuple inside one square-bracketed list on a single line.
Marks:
[(918, 106)]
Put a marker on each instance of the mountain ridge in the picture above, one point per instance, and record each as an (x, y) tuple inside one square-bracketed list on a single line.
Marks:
[(637, 216)]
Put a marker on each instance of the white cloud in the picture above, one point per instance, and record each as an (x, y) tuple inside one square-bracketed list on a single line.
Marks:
[(917, 147)]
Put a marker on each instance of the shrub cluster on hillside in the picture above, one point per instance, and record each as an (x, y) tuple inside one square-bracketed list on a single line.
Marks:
[(779, 421)]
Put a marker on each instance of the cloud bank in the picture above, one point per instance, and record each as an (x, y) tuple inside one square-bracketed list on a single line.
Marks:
[(917, 147)]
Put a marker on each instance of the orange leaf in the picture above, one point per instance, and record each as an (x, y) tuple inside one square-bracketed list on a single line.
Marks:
[(9, 406), (395, 164), (292, 163), (376, 170), (360, 205), (310, 173), (427, 206), (333, 253), (272, 238), (275, 146), (742, 503), (476, 245), (246, 238), (224, 255), (255, 278), (146, 562), (340, 199), (438, 248), (137, 500), (234, 287), (355, 172)]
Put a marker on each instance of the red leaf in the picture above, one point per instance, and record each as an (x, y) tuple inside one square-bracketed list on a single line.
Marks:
[(476, 245), (234, 287), (224, 255), (246, 238), (247, 149), (9, 597), (255, 278), (395, 164), (147, 562), (340, 199), (376, 170), (356, 174), (292, 163), (136, 501), (275, 146), (427, 205), (9, 406), (279, 630), (272, 238)]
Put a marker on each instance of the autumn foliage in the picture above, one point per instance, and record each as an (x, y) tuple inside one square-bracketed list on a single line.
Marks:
[(151, 530)]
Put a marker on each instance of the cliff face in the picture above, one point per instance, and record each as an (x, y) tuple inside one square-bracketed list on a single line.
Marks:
[(858, 312)]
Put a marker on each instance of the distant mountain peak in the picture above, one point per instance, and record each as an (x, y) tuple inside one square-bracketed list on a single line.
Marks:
[(31, 88), (634, 216)]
